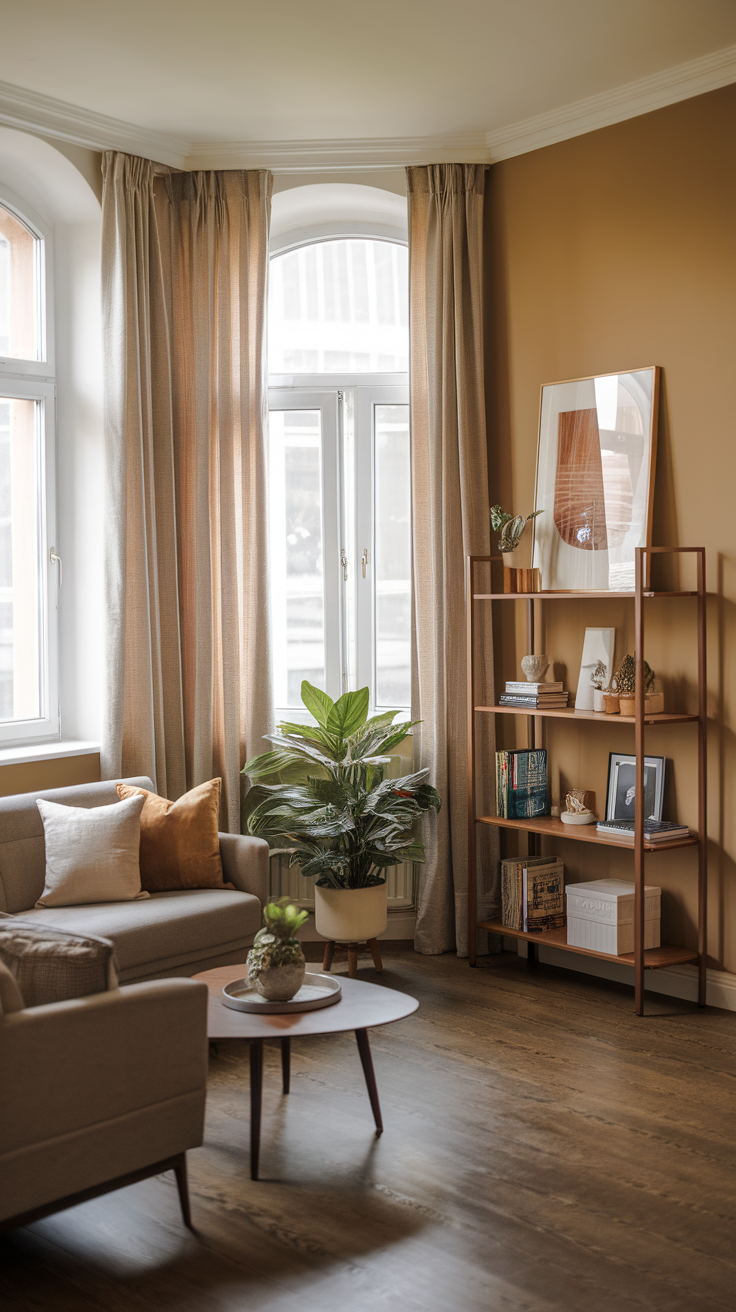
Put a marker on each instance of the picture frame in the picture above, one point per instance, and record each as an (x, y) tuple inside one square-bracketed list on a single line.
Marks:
[(596, 456), (598, 645), (620, 795)]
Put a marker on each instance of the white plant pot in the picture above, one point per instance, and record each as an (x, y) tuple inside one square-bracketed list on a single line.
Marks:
[(350, 915)]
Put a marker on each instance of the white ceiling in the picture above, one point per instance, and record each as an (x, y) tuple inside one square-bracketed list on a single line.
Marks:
[(235, 71)]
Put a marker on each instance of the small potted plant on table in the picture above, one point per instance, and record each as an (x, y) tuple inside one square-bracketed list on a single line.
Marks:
[(322, 797)]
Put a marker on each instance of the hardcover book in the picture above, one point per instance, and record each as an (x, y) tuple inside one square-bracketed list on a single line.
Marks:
[(521, 784), (533, 893)]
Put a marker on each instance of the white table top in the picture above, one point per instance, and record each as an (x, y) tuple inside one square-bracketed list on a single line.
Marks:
[(361, 1006)]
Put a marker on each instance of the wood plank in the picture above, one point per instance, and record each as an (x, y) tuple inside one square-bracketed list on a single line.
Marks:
[(553, 828), (654, 958), (590, 594), (569, 712)]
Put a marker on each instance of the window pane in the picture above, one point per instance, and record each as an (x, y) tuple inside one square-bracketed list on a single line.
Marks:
[(18, 326), (339, 307), (393, 556), (20, 592), (297, 591)]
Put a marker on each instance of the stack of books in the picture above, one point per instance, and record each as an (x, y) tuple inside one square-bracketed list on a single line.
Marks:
[(535, 696), (521, 784), (533, 893), (655, 831)]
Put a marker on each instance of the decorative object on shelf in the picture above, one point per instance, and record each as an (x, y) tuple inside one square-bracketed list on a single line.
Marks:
[(333, 812), (533, 668), (517, 577), (600, 916), (598, 648), (521, 783), (595, 477), (624, 685), (576, 812), (533, 893), (610, 704), (276, 963), (621, 794), (599, 679)]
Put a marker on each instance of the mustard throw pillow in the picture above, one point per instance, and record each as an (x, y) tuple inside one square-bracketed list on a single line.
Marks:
[(180, 846)]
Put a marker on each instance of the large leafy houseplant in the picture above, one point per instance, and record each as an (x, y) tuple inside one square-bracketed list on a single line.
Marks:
[(322, 797)]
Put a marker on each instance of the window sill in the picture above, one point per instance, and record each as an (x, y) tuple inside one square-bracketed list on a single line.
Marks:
[(45, 751)]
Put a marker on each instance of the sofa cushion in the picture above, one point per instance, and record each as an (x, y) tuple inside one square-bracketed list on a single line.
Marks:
[(167, 928), (91, 853), (51, 964), (180, 845)]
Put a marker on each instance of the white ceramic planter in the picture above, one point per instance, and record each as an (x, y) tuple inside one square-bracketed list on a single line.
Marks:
[(350, 915)]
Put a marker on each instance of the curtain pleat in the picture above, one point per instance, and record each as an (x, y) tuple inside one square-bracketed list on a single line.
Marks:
[(185, 259), (450, 514)]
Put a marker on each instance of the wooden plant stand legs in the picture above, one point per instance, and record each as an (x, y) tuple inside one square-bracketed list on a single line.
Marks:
[(331, 946)]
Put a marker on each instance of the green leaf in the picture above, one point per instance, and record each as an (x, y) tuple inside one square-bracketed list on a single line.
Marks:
[(349, 713), (317, 703)]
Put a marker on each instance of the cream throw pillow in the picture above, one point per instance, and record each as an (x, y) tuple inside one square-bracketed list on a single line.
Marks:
[(92, 854)]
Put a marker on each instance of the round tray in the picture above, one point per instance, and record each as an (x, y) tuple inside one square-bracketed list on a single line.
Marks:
[(316, 991)]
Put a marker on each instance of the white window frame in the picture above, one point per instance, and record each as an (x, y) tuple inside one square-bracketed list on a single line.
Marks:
[(33, 380), (349, 604)]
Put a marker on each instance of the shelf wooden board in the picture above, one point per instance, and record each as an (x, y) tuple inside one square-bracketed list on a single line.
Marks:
[(553, 828), (654, 958), (590, 595), (569, 713)]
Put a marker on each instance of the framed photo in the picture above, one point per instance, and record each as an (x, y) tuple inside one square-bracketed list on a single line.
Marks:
[(595, 479), (621, 796)]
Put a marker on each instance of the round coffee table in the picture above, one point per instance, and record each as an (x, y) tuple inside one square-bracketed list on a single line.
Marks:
[(361, 1006)]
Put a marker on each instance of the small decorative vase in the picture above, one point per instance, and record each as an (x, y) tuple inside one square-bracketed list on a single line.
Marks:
[(534, 668), (610, 703), (350, 915), (599, 700), (281, 983)]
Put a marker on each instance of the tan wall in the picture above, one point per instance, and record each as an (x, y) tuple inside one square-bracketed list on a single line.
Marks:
[(614, 251), (61, 772)]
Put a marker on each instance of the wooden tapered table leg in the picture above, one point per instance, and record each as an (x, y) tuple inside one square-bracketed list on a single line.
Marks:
[(256, 1095), (375, 953), (286, 1064), (329, 954), (182, 1184), (352, 960), (366, 1059)]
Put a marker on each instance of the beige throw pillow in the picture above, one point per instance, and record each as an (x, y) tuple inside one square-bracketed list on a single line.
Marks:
[(92, 854), (50, 965)]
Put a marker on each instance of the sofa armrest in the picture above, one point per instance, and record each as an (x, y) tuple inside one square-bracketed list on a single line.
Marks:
[(73, 1064), (245, 864)]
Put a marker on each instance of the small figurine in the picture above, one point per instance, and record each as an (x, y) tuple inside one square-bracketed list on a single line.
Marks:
[(576, 812)]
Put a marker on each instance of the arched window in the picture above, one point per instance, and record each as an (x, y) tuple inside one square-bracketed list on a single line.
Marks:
[(340, 507), (29, 706)]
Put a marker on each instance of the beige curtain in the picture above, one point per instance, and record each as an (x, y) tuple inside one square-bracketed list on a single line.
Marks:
[(184, 287), (450, 510)]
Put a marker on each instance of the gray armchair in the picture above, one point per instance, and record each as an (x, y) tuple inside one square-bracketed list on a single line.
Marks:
[(99, 1092)]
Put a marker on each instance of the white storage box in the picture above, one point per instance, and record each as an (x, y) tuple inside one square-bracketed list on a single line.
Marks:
[(600, 916)]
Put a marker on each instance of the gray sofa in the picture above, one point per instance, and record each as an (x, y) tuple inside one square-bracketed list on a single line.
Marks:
[(168, 934)]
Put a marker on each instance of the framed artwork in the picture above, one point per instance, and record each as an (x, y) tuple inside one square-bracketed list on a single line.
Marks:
[(597, 650), (595, 479), (621, 800)]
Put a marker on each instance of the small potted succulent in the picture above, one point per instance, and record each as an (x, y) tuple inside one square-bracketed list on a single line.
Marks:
[(276, 962), (328, 805)]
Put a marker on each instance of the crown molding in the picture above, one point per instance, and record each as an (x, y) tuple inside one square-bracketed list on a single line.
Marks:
[(33, 112), (339, 155), (641, 97)]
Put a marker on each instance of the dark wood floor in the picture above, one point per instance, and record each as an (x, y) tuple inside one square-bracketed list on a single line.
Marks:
[(544, 1150)]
